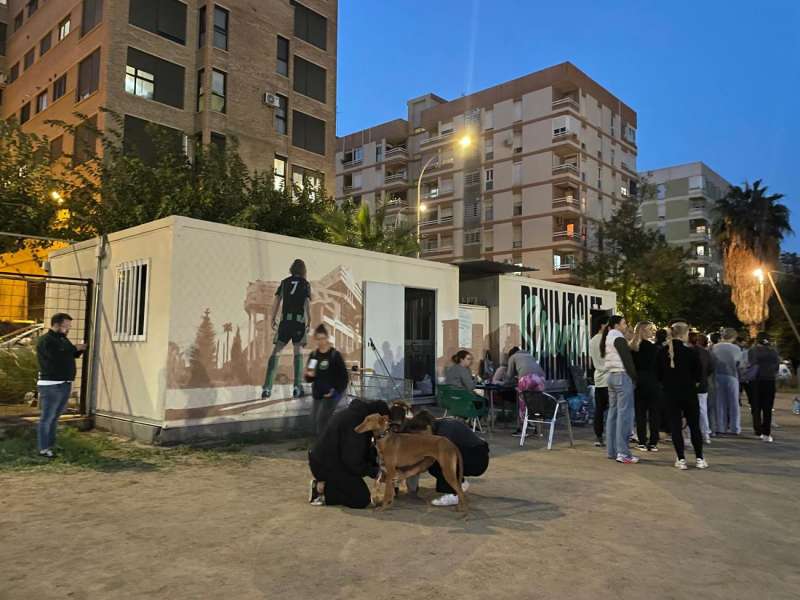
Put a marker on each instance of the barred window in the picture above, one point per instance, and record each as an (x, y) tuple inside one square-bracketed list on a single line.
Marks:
[(130, 300)]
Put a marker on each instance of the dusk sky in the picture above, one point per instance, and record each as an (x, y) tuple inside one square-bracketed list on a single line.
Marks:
[(710, 80)]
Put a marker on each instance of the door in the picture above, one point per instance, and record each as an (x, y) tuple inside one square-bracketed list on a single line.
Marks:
[(420, 340), (384, 328)]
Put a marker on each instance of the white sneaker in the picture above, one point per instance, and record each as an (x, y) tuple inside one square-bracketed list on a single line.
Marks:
[(446, 500), (763, 438), (701, 463), (46, 453), (707, 440), (768, 438), (681, 464), (464, 486), (318, 501)]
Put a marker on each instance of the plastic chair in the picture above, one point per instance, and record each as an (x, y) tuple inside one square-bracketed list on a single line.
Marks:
[(461, 403), (543, 409)]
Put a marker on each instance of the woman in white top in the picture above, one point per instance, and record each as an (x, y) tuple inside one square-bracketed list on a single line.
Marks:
[(621, 381)]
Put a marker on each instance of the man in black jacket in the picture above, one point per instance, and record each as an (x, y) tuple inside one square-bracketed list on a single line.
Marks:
[(341, 458), (57, 370)]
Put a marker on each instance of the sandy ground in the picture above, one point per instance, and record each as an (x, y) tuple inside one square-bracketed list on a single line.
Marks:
[(561, 524)]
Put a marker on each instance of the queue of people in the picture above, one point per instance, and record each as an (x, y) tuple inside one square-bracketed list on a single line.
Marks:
[(660, 379)]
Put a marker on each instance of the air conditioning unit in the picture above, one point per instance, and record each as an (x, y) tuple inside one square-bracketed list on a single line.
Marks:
[(508, 142), (272, 100)]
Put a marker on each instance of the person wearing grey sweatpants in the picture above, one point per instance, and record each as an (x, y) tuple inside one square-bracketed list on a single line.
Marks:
[(726, 357)]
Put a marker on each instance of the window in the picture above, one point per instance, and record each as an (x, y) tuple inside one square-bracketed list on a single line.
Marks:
[(166, 18), (700, 250), (517, 209), (517, 110), (45, 43), (57, 148), (88, 75), (86, 136), (60, 87), (282, 67), (218, 141), (661, 191), (27, 61), (130, 301), (472, 237), (701, 271), (33, 6), (307, 180), (560, 126), (41, 101), (25, 113), (279, 172), (139, 83), (63, 28), (219, 85), (92, 14), (488, 240), (488, 148), (472, 178), (282, 115), (310, 26), (378, 153), (144, 139), (309, 79), (3, 33), (18, 20), (488, 119), (201, 27), (696, 182), (13, 73), (153, 78), (489, 179), (221, 17), (308, 132)]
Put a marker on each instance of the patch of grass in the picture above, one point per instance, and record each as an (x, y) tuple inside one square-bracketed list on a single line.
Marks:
[(98, 451)]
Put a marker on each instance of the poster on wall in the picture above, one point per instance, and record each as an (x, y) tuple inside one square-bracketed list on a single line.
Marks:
[(464, 328)]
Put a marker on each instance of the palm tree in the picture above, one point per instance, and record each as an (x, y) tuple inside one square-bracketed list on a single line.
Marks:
[(227, 328), (358, 227), (749, 226)]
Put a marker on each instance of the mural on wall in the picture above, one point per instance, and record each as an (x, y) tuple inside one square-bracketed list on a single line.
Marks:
[(555, 327), (238, 349)]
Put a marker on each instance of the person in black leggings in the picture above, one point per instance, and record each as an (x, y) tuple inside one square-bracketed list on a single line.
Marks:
[(679, 371), (648, 390), (764, 356), (600, 377)]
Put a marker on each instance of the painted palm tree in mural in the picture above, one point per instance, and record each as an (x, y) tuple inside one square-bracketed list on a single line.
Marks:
[(227, 328), (358, 227), (749, 226)]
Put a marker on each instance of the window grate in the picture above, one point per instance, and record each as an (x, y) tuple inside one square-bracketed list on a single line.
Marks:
[(131, 301)]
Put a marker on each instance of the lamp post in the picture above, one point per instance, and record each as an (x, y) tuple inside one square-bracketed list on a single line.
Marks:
[(759, 274), (464, 142)]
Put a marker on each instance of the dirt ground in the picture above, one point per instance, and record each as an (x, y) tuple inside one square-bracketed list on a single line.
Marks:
[(561, 524)]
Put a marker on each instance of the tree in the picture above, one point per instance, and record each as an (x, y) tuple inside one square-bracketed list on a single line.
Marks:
[(30, 189), (127, 186), (647, 274), (749, 226), (787, 279), (239, 367), (358, 227), (202, 355)]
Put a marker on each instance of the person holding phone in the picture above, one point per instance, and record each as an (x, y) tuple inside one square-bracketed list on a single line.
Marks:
[(328, 376), (57, 369)]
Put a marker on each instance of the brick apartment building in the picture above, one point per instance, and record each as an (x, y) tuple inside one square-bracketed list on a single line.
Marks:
[(261, 72), (552, 154)]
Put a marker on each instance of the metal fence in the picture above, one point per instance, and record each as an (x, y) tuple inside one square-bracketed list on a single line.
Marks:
[(26, 304)]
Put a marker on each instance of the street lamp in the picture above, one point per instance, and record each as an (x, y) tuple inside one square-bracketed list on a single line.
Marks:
[(464, 142), (759, 274)]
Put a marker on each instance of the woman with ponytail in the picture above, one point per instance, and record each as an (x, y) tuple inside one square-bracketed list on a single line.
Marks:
[(679, 370), (621, 381), (648, 390)]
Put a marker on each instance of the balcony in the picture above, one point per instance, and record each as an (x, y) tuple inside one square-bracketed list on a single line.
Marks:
[(395, 179), (700, 235), (396, 202), (437, 222), (566, 136), (630, 170), (566, 203), (566, 102), (396, 154), (437, 139), (353, 162), (440, 165), (567, 236), (437, 193), (566, 168), (698, 210)]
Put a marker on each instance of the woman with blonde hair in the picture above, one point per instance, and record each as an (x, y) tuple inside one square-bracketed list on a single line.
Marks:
[(648, 391), (679, 371)]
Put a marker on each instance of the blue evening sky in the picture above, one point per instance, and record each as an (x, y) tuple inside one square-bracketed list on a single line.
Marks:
[(711, 80)]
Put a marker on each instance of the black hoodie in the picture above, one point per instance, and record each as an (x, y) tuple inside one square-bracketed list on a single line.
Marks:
[(340, 448)]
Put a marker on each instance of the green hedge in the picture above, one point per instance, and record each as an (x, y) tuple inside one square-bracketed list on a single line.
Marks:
[(18, 373)]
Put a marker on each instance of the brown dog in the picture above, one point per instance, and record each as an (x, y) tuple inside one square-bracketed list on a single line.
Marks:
[(406, 454)]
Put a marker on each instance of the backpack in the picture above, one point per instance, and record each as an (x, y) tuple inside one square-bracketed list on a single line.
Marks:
[(530, 383)]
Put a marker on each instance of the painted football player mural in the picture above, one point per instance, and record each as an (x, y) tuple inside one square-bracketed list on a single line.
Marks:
[(292, 299)]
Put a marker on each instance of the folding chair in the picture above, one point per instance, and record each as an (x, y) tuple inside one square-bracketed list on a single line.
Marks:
[(543, 409), (461, 403)]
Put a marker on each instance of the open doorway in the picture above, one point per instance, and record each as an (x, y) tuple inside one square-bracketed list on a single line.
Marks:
[(420, 340)]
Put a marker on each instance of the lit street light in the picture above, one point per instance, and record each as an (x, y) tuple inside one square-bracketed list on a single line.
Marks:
[(464, 142)]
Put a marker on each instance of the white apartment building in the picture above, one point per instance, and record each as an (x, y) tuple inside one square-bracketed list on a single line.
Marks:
[(551, 154)]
